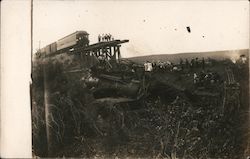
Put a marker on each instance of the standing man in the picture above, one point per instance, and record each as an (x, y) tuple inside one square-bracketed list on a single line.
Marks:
[(99, 38), (181, 64), (106, 37), (203, 63), (103, 38), (187, 64), (110, 37), (195, 78)]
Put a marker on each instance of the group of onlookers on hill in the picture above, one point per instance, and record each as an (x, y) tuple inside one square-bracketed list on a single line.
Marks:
[(169, 66), (199, 78)]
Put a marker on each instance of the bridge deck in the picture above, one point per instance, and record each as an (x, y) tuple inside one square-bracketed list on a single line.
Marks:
[(100, 45)]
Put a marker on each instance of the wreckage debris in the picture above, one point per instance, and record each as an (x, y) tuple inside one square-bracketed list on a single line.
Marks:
[(126, 109)]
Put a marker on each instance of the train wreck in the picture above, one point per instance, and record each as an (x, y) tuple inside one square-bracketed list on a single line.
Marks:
[(100, 104)]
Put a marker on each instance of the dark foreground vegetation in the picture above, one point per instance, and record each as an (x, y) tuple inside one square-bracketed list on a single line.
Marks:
[(166, 124)]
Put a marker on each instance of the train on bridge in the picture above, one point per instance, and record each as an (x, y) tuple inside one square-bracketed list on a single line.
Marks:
[(102, 58), (77, 44), (77, 39)]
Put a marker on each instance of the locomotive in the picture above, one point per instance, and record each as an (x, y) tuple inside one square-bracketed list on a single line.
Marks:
[(74, 40)]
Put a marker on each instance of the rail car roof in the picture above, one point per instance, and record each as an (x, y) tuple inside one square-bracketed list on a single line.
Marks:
[(76, 32)]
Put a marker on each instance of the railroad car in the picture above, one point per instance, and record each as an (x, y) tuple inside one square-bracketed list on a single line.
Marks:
[(79, 38), (42, 50), (74, 40), (47, 50), (53, 47)]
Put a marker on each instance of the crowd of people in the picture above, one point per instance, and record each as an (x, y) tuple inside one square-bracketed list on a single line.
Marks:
[(208, 77), (167, 65), (105, 37)]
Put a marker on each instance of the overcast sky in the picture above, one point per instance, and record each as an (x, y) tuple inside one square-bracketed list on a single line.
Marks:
[(153, 27)]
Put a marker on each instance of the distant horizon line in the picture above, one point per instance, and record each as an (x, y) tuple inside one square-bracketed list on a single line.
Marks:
[(179, 53)]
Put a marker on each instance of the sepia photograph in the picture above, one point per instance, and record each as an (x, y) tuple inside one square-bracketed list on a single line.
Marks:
[(140, 79)]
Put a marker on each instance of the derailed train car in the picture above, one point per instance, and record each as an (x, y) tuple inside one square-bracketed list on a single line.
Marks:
[(74, 40), (105, 85)]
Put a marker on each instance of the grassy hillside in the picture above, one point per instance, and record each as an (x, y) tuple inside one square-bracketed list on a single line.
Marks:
[(218, 55)]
